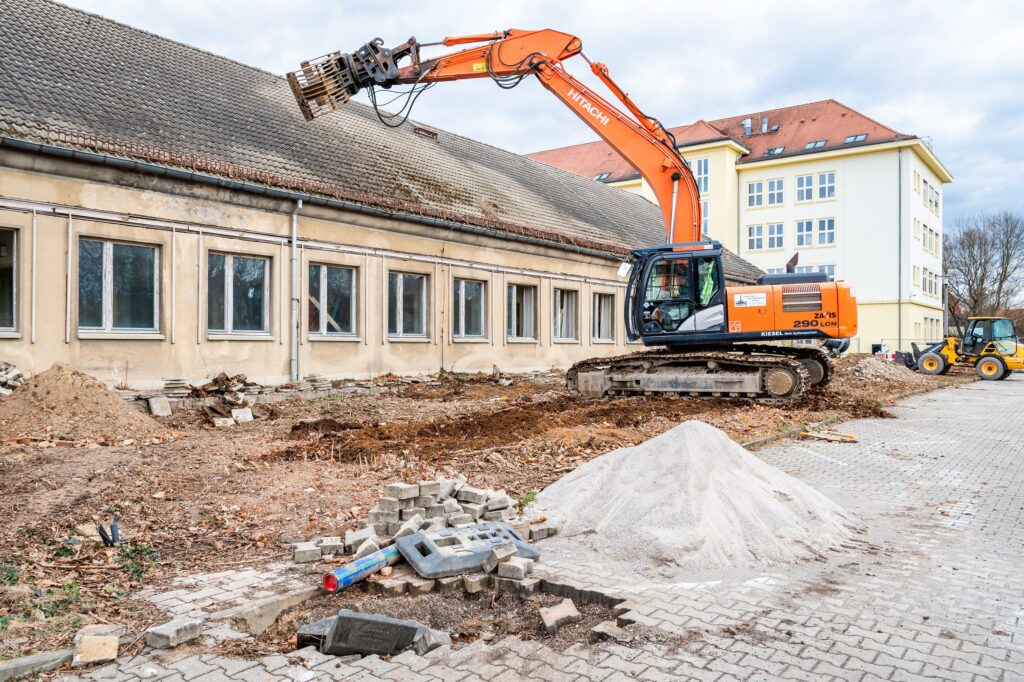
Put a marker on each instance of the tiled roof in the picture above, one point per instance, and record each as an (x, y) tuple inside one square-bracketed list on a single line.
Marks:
[(798, 126)]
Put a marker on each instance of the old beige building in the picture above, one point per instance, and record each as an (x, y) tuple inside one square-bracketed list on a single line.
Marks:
[(165, 212)]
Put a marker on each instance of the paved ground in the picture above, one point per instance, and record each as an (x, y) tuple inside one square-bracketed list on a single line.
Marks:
[(933, 589)]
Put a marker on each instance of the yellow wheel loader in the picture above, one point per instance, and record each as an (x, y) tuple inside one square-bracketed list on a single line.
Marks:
[(989, 345)]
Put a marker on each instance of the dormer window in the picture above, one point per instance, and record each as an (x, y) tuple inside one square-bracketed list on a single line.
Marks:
[(774, 151), (816, 144), (856, 138), (601, 176)]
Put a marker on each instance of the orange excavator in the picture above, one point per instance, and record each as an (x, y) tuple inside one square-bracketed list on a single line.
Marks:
[(704, 335)]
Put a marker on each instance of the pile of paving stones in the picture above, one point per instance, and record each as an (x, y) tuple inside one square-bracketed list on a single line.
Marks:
[(10, 378)]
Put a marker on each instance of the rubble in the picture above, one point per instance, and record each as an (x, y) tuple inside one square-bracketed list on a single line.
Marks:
[(173, 633), (305, 552), (96, 644), (563, 613), (10, 378)]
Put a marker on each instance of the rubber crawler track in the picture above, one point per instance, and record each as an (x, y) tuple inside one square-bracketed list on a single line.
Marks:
[(737, 355)]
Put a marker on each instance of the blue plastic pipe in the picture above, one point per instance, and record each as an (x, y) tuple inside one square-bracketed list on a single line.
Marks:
[(351, 573)]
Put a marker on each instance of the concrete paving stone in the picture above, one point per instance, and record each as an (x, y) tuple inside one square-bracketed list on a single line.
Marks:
[(192, 667)]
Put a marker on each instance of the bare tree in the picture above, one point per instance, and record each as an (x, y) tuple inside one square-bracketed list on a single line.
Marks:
[(984, 264)]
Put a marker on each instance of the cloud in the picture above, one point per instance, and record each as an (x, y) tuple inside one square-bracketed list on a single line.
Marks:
[(950, 71)]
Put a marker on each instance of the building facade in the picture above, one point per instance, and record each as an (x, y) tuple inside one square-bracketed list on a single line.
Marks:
[(193, 223), (844, 194)]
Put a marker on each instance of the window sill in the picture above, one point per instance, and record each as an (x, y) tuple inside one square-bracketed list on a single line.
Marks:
[(470, 339), (334, 337), (608, 342), (408, 339), (576, 341), (517, 339), (10, 334), (120, 336), (220, 336)]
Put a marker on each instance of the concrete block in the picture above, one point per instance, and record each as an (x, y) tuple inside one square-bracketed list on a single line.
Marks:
[(455, 520), (242, 414), (499, 501), (354, 538), (608, 630), (446, 488), (305, 552), (313, 634), (391, 504), (369, 546), (452, 507), (434, 511), (23, 666), (367, 633), (475, 582), (409, 527), (173, 633), (330, 545), (473, 509), (407, 514), (542, 531), (393, 528), (500, 515), (159, 406), (427, 640), (381, 529), (499, 553), (421, 586), (558, 615), (514, 567), (469, 494), (96, 644), (401, 491), (438, 523), (392, 587), (430, 489), (449, 584), (407, 503), (424, 501), (221, 422), (521, 525), (381, 516)]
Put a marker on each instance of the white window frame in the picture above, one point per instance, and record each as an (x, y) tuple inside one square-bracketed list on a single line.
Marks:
[(829, 225), (700, 174), (14, 280), (596, 317), (229, 295), (459, 294), (755, 194), (776, 235), (108, 288), (557, 316), (424, 305), (804, 188), (705, 221), (775, 271), (829, 270), (805, 232), (353, 322), (755, 238), (776, 192), (511, 291), (827, 185)]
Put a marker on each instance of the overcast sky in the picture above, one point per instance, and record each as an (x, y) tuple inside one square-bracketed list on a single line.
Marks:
[(949, 71)]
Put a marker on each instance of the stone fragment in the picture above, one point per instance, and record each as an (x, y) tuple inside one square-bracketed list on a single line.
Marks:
[(542, 531), (96, 644), (330, 545), (473, 509), (241, 414), (173, 633), (260, 614), (499, 553), (608, 630), (427, 640), (381, 516), (368, 547), (390, 504), (475, 582), (469, 494), (401, 491), (407, 514), (452, 507), (514, 567), (558, 615), (305, 552), (354, 538), (409, 527), (221, 422), (159, 406), (431, 489)]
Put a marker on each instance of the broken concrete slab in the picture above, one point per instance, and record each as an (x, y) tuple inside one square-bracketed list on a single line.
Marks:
[(173, 633), (401, 491), (34, 664), (305, 552), (260, 614), (159, 406), (96, 644), (608, 630), (367, 633), (562, 613), (242, 414)]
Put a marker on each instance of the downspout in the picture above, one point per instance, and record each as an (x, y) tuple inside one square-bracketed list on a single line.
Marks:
[(294, 365), (899, 252)]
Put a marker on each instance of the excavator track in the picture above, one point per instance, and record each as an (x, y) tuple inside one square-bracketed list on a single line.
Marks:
[(775, 375)]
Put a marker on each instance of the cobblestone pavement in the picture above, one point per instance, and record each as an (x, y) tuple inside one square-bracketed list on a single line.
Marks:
[(933, 589)]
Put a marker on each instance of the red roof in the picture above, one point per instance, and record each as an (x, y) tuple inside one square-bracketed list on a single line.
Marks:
[(791, 128)]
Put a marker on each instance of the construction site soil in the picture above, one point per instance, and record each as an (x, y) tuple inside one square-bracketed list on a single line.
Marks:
[(210, 498)]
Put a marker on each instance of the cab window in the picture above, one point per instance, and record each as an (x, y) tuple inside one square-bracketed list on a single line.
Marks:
[(1002, 329), (669, 279), (707, 280)]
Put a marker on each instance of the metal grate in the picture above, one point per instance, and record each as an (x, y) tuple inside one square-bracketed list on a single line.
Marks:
[(322, 85), (801, 298)]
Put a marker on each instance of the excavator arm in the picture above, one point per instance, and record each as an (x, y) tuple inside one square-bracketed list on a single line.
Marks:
[(323, 84)]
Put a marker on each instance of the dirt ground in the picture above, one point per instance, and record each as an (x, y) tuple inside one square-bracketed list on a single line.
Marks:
[(209, 499)]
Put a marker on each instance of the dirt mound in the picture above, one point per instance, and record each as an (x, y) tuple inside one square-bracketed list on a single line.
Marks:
[(65, 404), (690, 500), (870, 368)]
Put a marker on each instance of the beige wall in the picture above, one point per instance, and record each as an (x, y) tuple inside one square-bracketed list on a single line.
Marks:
[(186, 223)]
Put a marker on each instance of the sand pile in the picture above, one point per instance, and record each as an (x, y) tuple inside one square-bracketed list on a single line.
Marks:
[(65, 404), (688, 501)]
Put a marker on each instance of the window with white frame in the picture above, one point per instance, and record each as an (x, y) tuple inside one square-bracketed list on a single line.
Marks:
[(917, 277), (860, 137), (804, 268), (826, 231), (805, 233), (829, 270), (827, 185), (705, 221), (332, 300), (815, 144), (700, 174), (775, 235), (775, 192), (237, 294), (603, 318), (118, 286), (469, 309), (775, 271), (407, 304), (8, 279), (755, 194), (564, 312), (521, 311), (804, 187), (755, 237)]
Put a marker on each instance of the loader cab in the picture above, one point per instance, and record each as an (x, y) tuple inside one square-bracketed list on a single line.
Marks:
[(676, 289), (981, 331)]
